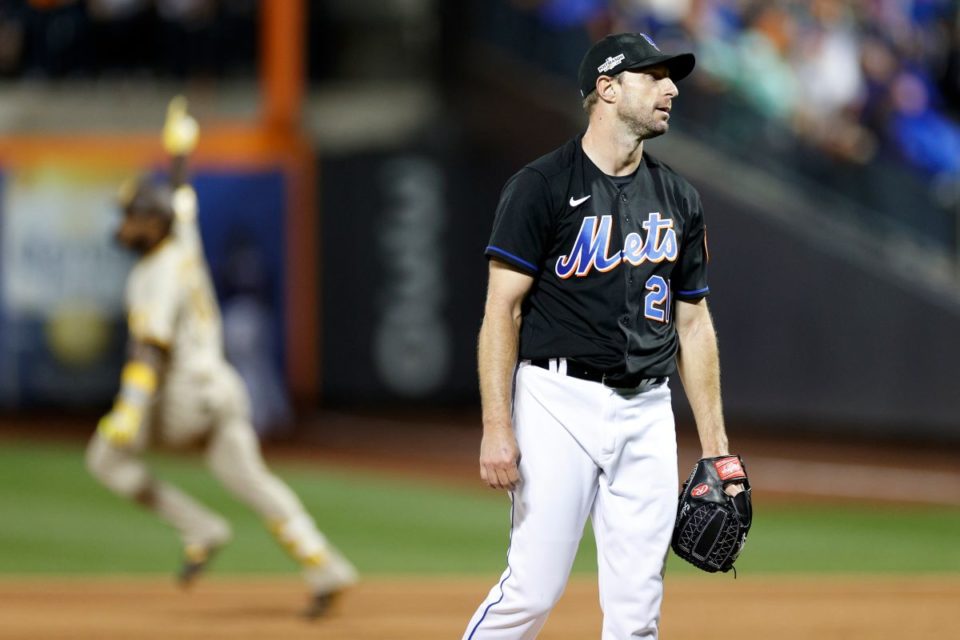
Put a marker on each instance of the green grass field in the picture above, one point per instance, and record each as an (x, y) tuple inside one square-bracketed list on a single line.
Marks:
[(54, 519)]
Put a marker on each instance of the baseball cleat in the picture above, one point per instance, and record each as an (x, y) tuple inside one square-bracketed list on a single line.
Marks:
[(320, 605), (328, 575), (196, 558)]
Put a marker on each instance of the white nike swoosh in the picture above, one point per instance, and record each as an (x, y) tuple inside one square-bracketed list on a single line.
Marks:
[(578, 202)]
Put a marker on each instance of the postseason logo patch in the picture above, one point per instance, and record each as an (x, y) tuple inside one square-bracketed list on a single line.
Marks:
[(610, 63)]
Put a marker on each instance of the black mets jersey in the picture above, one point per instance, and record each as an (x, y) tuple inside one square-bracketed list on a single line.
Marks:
[(609, 260)]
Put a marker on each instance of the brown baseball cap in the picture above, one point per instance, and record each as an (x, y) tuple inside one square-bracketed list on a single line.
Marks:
[(628, 51)]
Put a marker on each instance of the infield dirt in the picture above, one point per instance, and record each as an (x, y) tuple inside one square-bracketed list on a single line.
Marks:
[(752, 608)]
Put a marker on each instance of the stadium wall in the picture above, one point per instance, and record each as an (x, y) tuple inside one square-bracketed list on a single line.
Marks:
[(61, 278)]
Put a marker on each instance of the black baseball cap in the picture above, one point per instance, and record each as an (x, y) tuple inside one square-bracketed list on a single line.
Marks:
[(625, 51)]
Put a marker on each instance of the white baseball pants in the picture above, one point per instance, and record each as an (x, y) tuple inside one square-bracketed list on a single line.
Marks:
[(586, 449), (212, 406)]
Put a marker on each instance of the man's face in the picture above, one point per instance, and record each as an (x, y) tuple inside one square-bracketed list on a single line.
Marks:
[(646, 99), (141, 231)]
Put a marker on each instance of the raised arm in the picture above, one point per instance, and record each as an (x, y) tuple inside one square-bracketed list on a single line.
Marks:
[(180, 136), (497, 358)]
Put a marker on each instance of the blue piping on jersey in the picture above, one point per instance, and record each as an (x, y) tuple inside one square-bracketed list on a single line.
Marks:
[(507, 254), (693, 293), (509, 569)]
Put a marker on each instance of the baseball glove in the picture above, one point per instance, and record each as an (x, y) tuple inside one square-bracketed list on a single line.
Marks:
[(711, 526)]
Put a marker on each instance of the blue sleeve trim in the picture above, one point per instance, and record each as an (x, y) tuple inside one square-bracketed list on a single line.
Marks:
[(513, 258), (698, 292)]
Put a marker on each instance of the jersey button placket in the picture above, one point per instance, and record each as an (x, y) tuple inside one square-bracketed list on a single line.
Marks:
[(627, 228)]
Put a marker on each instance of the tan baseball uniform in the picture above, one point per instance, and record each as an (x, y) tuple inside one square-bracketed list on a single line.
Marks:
[(171, 303)]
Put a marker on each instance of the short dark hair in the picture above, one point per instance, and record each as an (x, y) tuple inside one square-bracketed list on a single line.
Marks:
[(592, 98), (590, 101)]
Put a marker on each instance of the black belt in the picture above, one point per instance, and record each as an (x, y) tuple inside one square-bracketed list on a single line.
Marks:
[(615, 379)]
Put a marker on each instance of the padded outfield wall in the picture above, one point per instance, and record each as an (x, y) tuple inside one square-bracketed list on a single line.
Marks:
[(816, 334)]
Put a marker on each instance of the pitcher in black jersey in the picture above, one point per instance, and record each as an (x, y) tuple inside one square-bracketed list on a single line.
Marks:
[(597, 295)]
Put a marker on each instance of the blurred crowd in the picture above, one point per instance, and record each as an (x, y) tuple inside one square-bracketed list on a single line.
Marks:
[(94, 38), (856, 78), (869, 86)]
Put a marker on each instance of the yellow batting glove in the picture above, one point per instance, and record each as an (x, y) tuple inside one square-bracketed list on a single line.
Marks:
[(180, 131), (138, 382), (121, 425)]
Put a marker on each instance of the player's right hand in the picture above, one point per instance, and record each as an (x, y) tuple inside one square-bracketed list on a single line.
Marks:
[(499, 458), (180, 131), (121, 425)]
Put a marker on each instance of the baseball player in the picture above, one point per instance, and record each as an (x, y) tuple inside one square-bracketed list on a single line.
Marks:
[(176, 388), (597, 294)]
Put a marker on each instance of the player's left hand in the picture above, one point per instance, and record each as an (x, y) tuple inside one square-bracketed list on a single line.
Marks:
[(711, 526), (730, 489), (180, 131), (121, 425)]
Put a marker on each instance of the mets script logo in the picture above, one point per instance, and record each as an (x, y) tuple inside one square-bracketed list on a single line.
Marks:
[(591, 250)]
